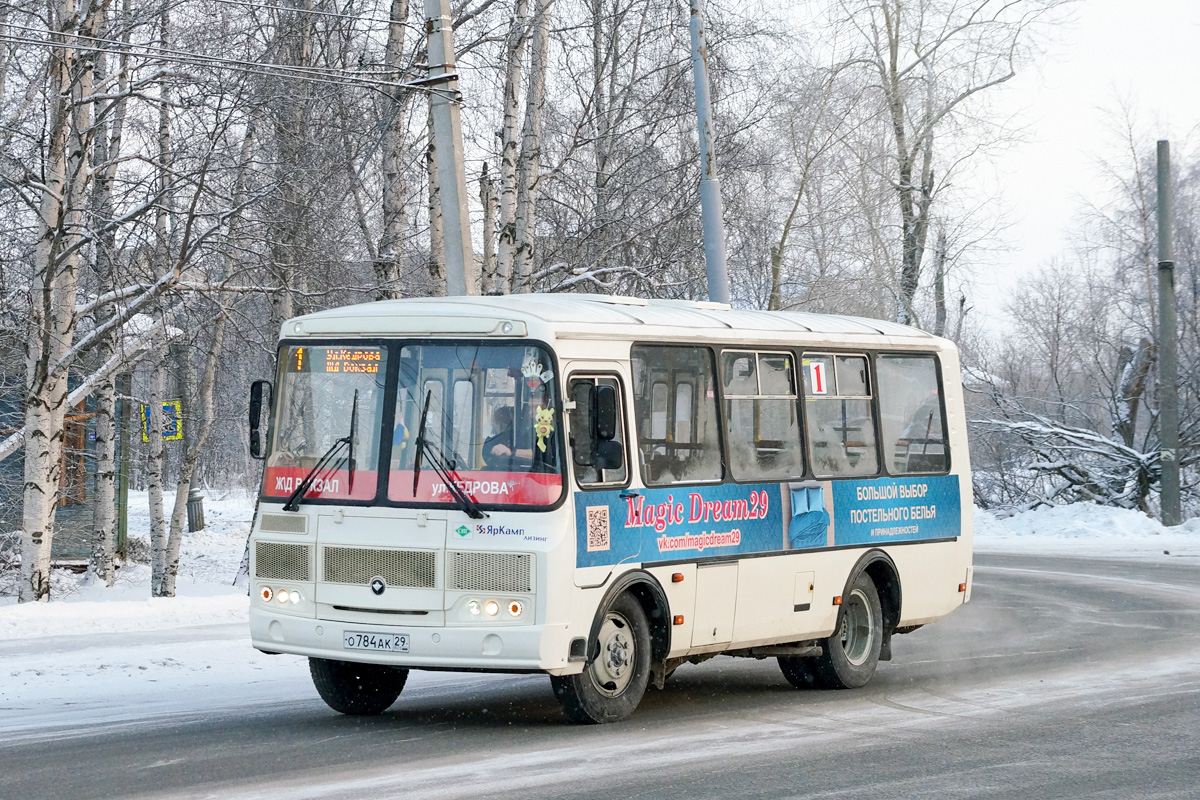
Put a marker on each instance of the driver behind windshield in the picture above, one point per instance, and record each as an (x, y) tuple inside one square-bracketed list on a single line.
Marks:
[(501, 446), (512, 446)]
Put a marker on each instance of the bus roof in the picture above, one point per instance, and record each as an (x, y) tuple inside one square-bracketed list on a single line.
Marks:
[(571, 315)]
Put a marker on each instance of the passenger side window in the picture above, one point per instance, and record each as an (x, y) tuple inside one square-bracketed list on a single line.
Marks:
[(910, 414), (762, 423), (837, 405), (675, 403)]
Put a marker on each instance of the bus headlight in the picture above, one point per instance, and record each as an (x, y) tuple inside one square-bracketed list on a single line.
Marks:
[(515, 607), (284, 596), (491, 608), (266, 594), (474, 607)]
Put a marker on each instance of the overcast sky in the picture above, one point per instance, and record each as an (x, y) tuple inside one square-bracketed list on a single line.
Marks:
[(1146, 51)]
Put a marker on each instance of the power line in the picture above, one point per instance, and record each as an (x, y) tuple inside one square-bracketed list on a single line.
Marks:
[(334, 14), (266, 70), (285, 9), (166, 53), (327, 75)]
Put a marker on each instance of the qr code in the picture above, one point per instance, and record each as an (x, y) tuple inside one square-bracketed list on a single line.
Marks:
[(597, 528)]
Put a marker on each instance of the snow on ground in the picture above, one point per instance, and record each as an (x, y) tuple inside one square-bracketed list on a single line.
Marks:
[(98, 654), (115, 656), (1083, 529)]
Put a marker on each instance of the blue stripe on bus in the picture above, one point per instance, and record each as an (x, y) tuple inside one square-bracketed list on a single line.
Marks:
[(698, 522), (896, 510), (677, 522)]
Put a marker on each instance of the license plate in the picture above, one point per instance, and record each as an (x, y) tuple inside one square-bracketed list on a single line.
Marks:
[(387, 642)]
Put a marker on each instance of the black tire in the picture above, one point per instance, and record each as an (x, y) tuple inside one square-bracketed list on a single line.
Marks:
[(611, 685), (798, 671), (851, 654), (359, 689)]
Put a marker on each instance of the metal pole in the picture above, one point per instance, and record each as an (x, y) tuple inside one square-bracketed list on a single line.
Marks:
[(1168, 364), (710, 186), (461, 276)]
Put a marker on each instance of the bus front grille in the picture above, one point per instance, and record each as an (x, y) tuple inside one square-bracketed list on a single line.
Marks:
[(414, 569), (278, 561), (283, 523), (491, 572)]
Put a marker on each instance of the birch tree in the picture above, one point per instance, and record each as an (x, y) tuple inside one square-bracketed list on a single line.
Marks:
[(107, 154), (514, 54), (165, 587), (290, 116), (816, 113), (55, 276), (487, 199), (529, 164), (1072, 398), (155, 422), (616, 184), (931, 62), (394, 186)]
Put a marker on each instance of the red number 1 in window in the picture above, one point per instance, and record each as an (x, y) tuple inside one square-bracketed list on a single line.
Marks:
[(818, 377)]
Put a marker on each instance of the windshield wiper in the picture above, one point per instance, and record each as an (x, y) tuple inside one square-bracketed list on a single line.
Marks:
[(293, 501), (351, 437), (421, 441), (426, 447), (468, 504)]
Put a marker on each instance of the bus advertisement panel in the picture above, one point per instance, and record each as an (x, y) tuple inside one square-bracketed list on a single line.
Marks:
[(656, 525)]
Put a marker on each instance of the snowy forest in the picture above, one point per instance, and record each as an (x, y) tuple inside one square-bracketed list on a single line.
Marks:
[(177, 177)]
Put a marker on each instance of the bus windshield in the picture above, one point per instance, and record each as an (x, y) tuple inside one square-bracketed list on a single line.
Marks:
[(488, 413), (322, 390)]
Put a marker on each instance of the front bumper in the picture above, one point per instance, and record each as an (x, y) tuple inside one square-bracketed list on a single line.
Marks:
[(483, 647)]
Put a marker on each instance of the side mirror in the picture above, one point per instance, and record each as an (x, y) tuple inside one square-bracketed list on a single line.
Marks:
[(606, 413), (609, 454), (260, 391)]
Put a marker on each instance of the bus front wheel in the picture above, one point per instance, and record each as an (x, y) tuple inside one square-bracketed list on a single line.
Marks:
[(798, 671), (851, 655), (359, 689), (612, 684)]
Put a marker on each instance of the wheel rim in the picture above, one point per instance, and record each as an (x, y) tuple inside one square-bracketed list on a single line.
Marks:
[(858, 628), (612, 669)]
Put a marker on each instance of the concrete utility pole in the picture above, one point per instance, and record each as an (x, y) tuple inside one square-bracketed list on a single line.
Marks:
[(1168, 363), (461, 276), (710, 186)]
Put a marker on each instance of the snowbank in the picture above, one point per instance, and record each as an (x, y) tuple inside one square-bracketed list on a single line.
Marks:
[(1083, 529), (99, 611), (96, 654)]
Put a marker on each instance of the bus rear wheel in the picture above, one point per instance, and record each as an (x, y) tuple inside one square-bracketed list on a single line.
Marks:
[(612, 684), (358, 689), (851, 654)]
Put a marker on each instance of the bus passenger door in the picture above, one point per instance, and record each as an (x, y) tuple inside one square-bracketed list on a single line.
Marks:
[(716, 602), (598, 455)]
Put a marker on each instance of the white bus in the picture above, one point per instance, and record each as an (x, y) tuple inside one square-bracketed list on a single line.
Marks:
[(602, 489)]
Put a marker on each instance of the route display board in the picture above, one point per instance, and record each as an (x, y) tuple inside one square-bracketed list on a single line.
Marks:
[(346, 360)]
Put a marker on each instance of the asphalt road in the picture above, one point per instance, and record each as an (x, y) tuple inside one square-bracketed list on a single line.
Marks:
[(1062, 678)]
